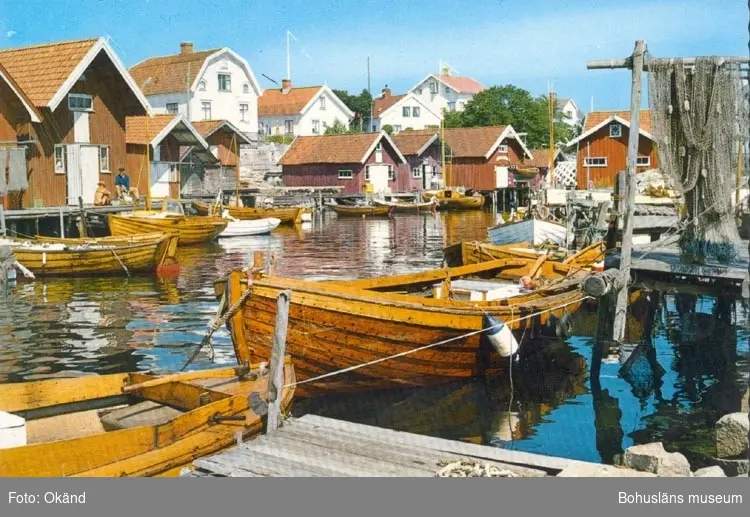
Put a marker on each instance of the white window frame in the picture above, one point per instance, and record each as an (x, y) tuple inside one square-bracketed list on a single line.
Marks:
[(245, 88), (228, 82), (416, 172), (434, 88), (104, 168), (405, 111), (202, 86), (502, 148), (62, 150), (81, 96), (379, 146), (244, 110), (349, 174), (316, 127), (415, 111), (204, 105), (174, 105), (322, 103), (590, 161), (615, 130), (289, 127), (643, 161), (452, 106), (391, 173)]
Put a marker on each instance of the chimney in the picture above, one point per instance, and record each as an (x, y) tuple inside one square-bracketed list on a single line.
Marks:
[(446, 70), (286, 86), (386, 92), (186, 47)]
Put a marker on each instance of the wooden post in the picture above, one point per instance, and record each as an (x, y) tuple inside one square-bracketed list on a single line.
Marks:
[(276, 366), (3, 230), (259, 260), (82, 221), (619, 200), (618, 329), (62, 222)]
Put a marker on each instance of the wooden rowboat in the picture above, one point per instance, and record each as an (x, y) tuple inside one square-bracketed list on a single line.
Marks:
[(361, 210), (473, 252), (82, 257), (451, 198), (292, 215), (191, 230), (404, 207), (132, 424), (335, 325), (109, 239)]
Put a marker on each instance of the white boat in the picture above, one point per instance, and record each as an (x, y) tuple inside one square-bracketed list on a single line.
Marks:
[(244, 228), (533, 231)]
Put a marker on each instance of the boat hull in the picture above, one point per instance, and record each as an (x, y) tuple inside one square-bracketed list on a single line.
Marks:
[(473, 252), (404, 207), (451, 199), (191, 230), (533, 231), (362, 210), (250, 227), (146, 255), (334, 326), (291, 215), (150, 449)]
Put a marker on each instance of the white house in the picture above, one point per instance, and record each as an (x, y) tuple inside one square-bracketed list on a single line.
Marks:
[(402, 112), (301, 111), (446, 92), (215, 84), (571, 114)]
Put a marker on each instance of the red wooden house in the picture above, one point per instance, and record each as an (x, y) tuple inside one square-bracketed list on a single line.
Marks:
[(603, 148), (483, 158), (356, 162), (423, 155), (82, 93)]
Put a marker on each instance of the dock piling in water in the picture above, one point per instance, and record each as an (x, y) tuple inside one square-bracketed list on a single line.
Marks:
[(276, 366)]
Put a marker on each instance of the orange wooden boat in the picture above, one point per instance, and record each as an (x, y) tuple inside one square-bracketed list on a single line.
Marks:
[(340, 324), (473, 252), (453, 198), (361, 210), (292, 215)]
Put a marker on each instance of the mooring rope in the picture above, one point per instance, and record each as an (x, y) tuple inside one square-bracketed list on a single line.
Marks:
[(433, 345), (120, 261)]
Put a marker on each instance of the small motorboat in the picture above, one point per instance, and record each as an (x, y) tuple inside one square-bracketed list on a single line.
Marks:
[(244, 228)]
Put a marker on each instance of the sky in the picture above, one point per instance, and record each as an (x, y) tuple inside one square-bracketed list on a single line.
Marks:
[(528, 43)]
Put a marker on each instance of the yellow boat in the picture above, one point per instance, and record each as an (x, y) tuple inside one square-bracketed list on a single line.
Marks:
[(170, 219), (452, 198), (473, 252), (361, 210), (83, 257), (132, 424), (292, 215)]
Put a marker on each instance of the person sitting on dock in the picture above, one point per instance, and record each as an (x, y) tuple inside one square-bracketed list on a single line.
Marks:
[(122, 183), (102, 196)]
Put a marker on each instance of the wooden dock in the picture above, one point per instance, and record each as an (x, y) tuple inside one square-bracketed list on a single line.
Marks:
[(314, 446)]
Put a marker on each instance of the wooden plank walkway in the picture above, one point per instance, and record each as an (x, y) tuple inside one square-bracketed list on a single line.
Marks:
[(314, 446)]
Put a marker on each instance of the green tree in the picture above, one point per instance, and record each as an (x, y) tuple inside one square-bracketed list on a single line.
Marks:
[(338, 128), (388, 129), (360, 105)]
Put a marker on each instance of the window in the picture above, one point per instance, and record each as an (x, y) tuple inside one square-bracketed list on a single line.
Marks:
[(416, 172), (447, 90), (316, 127), (595, 162), (396, 128), (202, 86), (172, 108), (379, 146), (244, 108), (80, 102), (643, 161), (322, 104), (104, 159), (434, 88), (206, 110), (415, 111), (451, 106), (245, 88), (346, 174), (61, 159), (225, 82), (502, 148), (289, 127), (615, 130), (367, 173), (406, 111), (418, 91), (391, 173)]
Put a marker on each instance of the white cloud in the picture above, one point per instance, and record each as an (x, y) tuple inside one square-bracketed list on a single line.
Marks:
[(10, 34)]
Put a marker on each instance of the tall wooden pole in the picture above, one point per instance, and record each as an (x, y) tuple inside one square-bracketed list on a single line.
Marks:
[(618, 330), (148, 162), (551, 166)]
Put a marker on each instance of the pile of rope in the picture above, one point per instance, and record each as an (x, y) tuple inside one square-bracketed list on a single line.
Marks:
[(472, 469), (697, 120)]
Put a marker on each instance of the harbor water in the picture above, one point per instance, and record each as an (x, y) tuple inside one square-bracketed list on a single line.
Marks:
[(550, 403)]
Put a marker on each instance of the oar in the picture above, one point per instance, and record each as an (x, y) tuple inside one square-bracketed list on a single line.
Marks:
[(218, 373)]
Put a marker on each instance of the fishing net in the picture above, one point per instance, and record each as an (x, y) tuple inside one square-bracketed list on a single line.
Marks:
[(698, 117)]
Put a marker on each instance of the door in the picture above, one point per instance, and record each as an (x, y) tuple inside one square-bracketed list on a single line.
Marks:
[(501, 177), (89, 172), (379, 177), (81, 133)]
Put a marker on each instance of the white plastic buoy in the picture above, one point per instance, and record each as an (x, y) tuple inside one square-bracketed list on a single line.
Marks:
[(500, 336), (12, 431)]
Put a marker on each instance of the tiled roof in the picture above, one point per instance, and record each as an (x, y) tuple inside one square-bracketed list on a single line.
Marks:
[(462, 84), (595, 118), (472, 142), (381, 104), (14, 86), (540, 158), (207, 127), (348, 148), (169, 73), (273, 102), (410, 142), (41, 70), (142, 130)]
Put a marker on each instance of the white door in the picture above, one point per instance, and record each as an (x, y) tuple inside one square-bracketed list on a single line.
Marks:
[(74, 174), (89, 171), (81, 133), (379, 177), (501, 177)]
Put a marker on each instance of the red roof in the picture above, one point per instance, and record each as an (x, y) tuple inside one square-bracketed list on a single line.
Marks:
[(595, 118), (462, 84), (410, 142), (472, 142), (274, 102), (346, 148), (383, 103)]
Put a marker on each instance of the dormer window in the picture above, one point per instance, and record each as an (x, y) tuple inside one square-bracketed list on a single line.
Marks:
[(615, 130), (80, 102)]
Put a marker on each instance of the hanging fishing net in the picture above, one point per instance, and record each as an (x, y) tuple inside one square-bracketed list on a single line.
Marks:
[(698, 118)]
